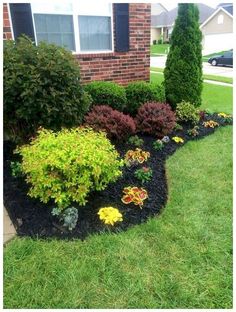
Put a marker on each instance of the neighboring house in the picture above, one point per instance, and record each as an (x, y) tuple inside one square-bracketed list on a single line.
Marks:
[(156, 10), (217, 30), (110, 41), (163, 23)]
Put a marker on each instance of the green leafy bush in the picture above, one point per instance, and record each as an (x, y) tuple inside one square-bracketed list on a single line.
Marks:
[(140, 92), (107, 93), (186, 112), (41, 88), (66, 166)]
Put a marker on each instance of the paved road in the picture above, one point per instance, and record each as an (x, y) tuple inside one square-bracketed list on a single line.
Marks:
[(207, 68)]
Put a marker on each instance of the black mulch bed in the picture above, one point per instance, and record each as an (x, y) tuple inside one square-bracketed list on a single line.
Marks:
[(34, 219)]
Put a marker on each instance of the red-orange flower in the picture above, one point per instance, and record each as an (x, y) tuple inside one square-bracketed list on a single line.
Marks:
[(134, 195)]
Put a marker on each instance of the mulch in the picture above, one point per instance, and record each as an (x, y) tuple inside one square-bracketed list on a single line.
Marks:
[(33, 218)]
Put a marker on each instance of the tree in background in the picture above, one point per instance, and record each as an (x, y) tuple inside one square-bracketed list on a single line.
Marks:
[(183, 72)]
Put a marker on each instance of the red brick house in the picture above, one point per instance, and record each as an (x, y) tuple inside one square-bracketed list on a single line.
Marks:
[(111, 41)]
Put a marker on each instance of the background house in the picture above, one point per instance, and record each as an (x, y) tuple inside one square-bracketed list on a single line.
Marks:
[(110, 41), (162, 24), (217, 30)]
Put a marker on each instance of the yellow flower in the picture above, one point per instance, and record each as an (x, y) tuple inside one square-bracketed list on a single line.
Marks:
[(222, 115), (110, 215), (210, 124), (178, 139), (137, 156)]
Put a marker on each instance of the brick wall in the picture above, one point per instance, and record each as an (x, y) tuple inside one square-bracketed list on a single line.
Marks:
[(121, 67), (6, 23)]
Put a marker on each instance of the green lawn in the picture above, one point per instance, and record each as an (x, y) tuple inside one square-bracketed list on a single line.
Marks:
[(181, 259), (208, 77), (214, 97), (159, 49)]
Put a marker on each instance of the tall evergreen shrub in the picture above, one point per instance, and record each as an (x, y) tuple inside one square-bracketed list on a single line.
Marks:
[(183, 72)]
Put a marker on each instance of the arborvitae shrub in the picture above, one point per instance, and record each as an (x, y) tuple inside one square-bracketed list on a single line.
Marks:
[(66, 166), (41, 88), (140, 92), (155, 118), (183, 71), (107, 93), (116, 124)]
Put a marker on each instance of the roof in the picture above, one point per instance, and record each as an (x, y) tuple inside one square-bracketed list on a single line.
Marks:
[(168, 18), (216, 11), (227, 6)]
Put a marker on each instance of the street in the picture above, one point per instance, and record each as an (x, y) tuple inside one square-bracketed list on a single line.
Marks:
[(208, 69)]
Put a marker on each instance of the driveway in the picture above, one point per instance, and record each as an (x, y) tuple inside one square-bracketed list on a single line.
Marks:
[(207, 68)]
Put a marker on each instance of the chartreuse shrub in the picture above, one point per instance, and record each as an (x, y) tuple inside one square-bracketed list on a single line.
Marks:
[(140, 92), (183, 71), (41, 88), (107, 93), (66, 166), (187, 112)]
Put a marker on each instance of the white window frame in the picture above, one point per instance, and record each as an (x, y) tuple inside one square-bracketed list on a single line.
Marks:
[(75, 16)]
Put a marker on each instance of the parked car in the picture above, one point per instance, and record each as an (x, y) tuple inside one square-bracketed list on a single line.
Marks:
[(225, 59)]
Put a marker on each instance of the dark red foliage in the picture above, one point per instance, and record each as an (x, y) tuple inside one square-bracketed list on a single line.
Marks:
[(202, 115), (116, 124), (155, 118)]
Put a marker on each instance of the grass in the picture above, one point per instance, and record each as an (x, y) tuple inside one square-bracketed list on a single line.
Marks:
[(214, 97), (181, 259), (159, 49), (208, 77)]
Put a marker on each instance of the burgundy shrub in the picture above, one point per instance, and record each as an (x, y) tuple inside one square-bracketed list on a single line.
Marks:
[(116, 124), (155, 118)]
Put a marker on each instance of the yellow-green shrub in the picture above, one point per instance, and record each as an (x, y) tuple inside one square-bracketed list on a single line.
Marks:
[(66, 166)]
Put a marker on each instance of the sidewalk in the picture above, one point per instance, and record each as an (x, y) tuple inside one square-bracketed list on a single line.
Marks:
[(8, 228)]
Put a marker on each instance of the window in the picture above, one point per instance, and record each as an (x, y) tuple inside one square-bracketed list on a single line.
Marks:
[(220, 19), (56, 29), (74, 24), (95, 33)]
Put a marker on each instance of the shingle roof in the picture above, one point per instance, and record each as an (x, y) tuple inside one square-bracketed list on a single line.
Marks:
[(227, 6), (168, 18)]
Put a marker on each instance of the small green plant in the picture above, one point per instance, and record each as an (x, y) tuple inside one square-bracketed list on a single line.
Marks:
[(135, 140), (16, 169), (66, 166), (144, 174), (158, 145), (194, 131), (186, 112), (69, 216), (178, 127)]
